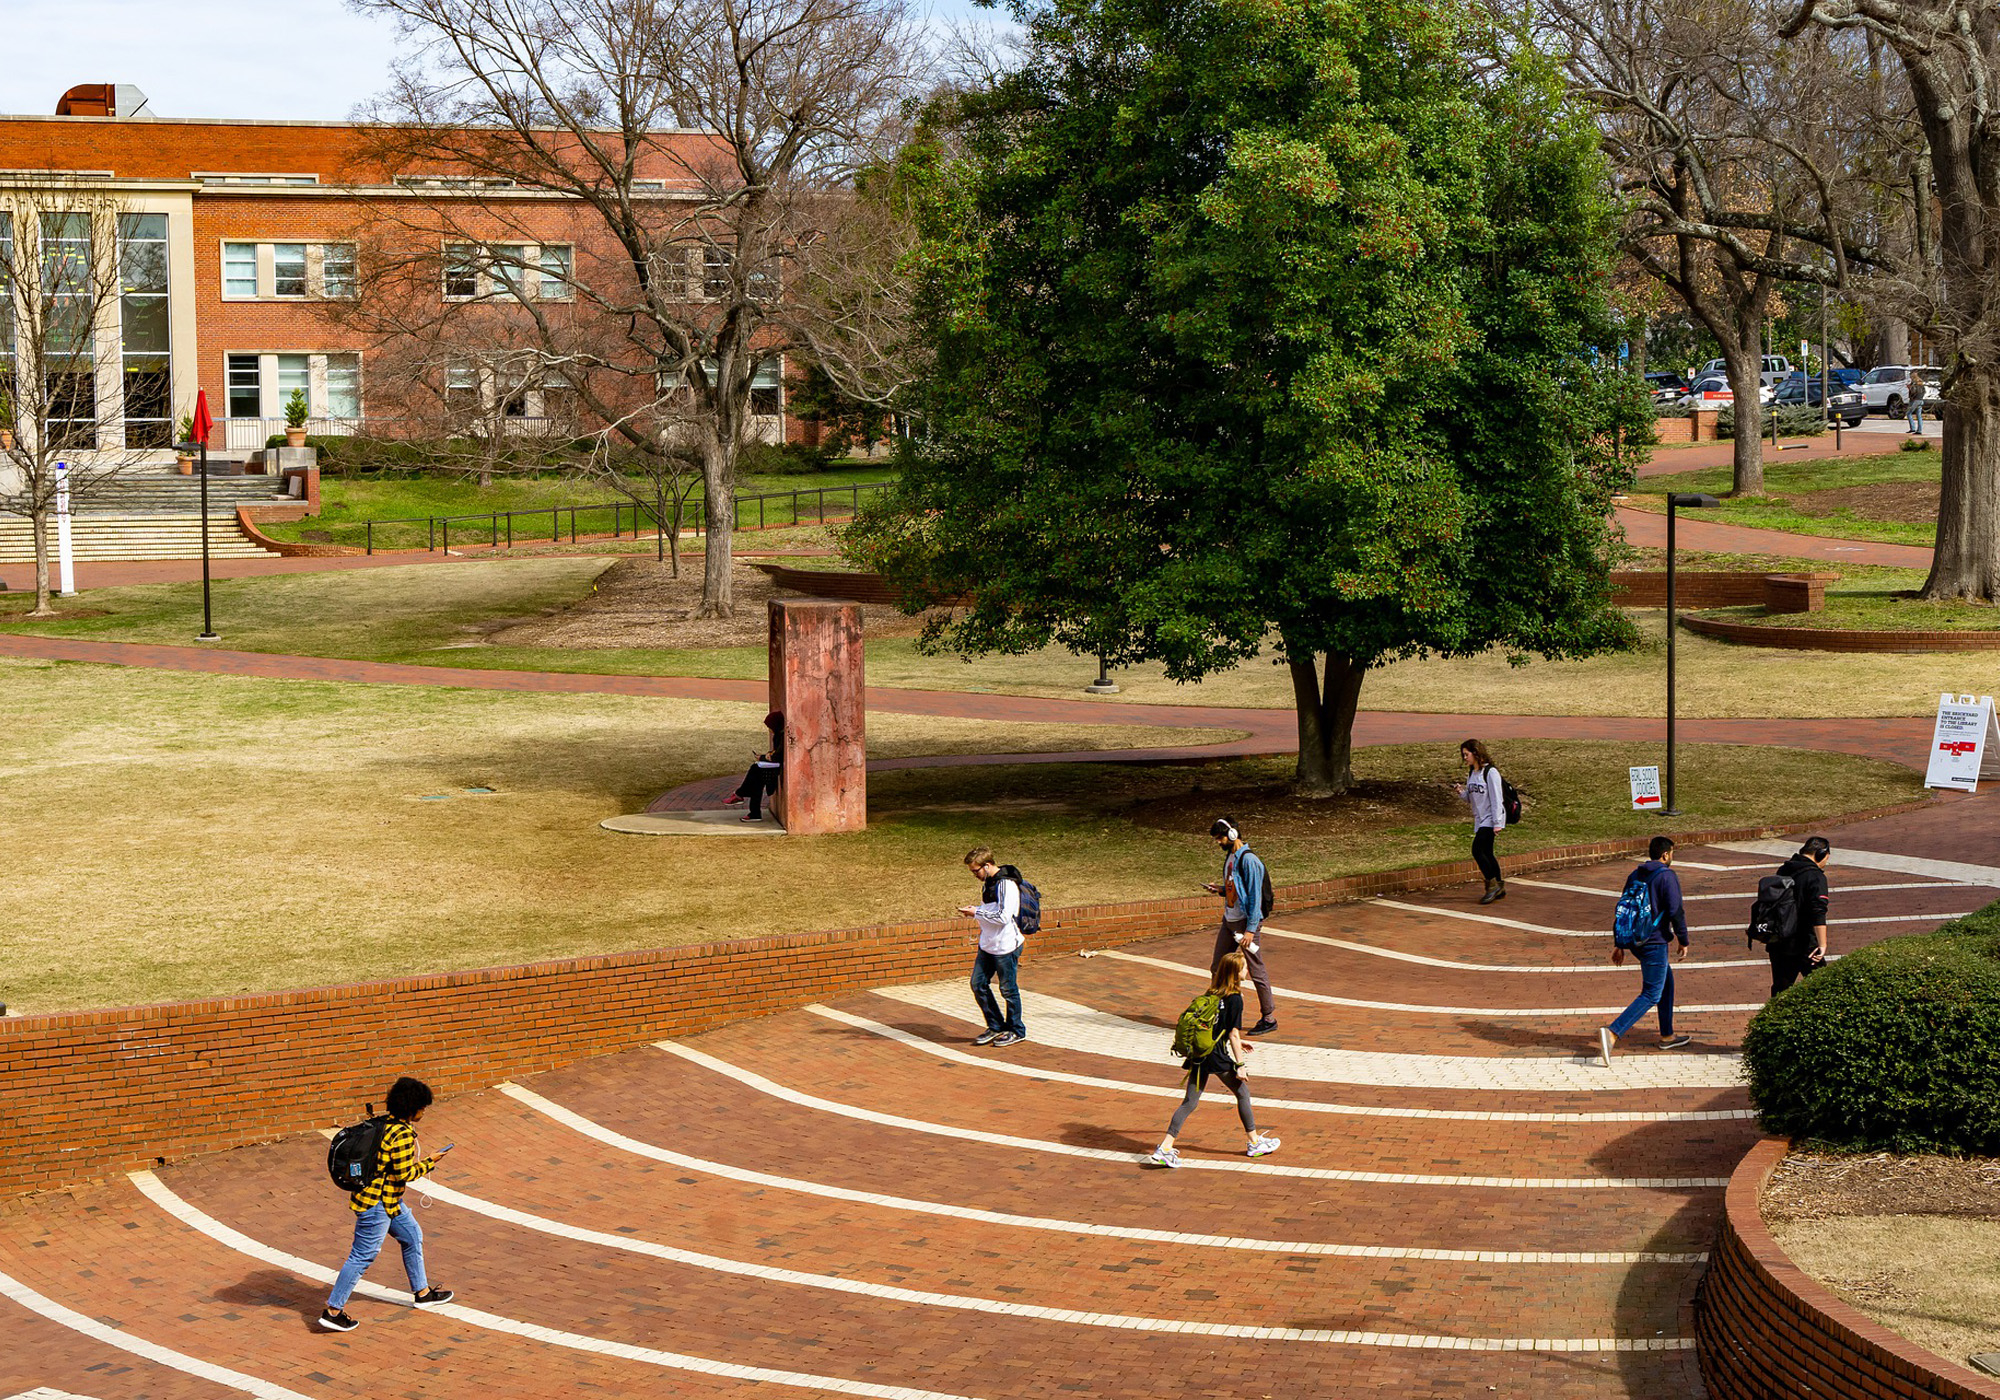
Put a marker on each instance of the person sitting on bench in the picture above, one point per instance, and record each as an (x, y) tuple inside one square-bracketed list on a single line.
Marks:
[(762, 778)]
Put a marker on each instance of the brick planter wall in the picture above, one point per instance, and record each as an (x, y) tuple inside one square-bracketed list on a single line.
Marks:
[(1765, 1330), (1698, 426), (1840, 639), (247, 517), (90, 1093)]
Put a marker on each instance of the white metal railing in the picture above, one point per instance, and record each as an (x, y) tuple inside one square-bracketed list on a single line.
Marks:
[(250, 434)]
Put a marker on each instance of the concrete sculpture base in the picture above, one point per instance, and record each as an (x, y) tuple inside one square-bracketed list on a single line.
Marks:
[(819, 685)]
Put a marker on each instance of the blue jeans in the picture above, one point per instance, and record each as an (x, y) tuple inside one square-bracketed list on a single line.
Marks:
[(1915, 417), (983, 969), (1657, 989), (369, 1228)]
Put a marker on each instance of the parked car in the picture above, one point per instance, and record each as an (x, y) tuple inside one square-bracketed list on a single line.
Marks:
[(1773, 364), (1714, 392), (1888, 387), (1841, 402), (1667, 388)]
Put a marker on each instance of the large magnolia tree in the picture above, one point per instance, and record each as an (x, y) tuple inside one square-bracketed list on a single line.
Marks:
[(1264, 326)]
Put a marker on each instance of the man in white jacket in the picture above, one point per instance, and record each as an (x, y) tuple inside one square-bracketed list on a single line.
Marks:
[(999, 953)]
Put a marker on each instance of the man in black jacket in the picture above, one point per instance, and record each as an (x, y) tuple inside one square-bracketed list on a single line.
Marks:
[(1793, 957)]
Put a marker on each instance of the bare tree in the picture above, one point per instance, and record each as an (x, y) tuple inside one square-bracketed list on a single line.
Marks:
[(1949, 54), (699, 146), (75, 265), (1744, 164)]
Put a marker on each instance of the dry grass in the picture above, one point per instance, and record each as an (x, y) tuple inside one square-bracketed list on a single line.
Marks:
[(181, 835), (1933, 1279)]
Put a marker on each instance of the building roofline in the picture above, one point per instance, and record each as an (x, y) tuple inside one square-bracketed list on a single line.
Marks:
[(272, 121)]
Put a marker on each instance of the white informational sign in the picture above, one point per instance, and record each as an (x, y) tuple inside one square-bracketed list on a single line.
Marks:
[(65, 558), (1965, 746), (1646, 789)]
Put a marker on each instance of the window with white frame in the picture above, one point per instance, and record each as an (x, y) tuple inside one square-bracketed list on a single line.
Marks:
[(513, 385), (69, 320), (142, 310), (213, 178), (260, 385), (518, 271), (767, 385), (289, 271)]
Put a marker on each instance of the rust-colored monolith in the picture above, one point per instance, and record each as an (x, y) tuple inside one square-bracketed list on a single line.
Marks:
[(819, 685)]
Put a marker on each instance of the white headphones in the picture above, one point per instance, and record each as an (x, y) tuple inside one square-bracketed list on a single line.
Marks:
[(1229, 832)]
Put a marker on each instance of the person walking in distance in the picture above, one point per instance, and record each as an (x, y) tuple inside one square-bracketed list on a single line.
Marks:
[(379, 1211), (1914, 417), (1000, 940), (1805, 949), (1243, 887), (1655, 883), (1224, 1059), (1482, 791)]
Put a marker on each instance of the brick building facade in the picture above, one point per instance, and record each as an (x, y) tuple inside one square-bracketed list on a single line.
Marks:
[(262, 225)]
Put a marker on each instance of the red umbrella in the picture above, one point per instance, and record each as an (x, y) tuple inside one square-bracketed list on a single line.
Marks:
[(203, 424)]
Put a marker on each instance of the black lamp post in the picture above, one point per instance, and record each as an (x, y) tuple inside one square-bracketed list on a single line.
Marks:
[(208, 632), (1103, 685), (1684, 500)]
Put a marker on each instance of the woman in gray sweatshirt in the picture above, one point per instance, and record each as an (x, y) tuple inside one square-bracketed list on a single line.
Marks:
[(1481, 791)]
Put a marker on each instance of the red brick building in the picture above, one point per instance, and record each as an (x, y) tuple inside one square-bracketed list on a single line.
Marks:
[(251, 230)]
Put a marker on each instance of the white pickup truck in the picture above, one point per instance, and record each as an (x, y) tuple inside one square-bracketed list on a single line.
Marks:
[(1776, 367)]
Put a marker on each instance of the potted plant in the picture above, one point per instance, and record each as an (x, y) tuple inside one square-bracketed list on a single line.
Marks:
[(183, 458), (6, 421), (296, 413)]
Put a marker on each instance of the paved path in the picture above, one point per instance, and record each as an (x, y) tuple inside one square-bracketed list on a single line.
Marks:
[(1647, 529), (852, 1200), (1865, 441)]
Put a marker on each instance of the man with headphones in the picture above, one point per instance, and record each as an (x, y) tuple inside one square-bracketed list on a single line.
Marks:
[(1243, 889)]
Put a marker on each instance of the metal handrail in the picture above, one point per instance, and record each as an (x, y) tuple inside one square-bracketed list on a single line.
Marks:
[(437, 528)]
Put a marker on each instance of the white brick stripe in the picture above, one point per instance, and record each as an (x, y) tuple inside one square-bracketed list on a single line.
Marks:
[(611, 1138), (1970, 874), (1069, 1025), (1528, 969), (160, 1195), (1263, 1165), (138, 1346), (1001, 1064), (887, 1292), (1492, 920), (1320, 998), (1746, 895)]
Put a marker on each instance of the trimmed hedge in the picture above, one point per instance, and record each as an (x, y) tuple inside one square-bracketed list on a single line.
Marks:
[(1895, 1047)]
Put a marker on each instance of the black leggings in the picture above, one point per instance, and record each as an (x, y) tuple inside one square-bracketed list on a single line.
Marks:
[(1482, 853), (756, 784), (1230, 1081)]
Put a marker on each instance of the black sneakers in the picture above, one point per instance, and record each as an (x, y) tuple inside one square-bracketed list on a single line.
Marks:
[(1263, 1027), (432, 1296), (337, 1321)]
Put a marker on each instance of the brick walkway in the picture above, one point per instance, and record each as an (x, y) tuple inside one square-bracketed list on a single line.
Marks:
[(852, 1200), (1668, 461)]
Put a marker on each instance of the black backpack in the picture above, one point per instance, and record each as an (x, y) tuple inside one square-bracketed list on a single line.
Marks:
[(1774, 918), (1029, 920), (350, 1157), (1510, 804)]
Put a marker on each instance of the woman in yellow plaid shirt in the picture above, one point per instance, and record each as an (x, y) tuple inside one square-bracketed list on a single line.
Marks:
[(378, 1208)]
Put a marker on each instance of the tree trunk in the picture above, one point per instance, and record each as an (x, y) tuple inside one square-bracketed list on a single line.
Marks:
[(1895, 341), (1746, 381), (1967, 561), (719, 485), (1326, 723), (40, 522)]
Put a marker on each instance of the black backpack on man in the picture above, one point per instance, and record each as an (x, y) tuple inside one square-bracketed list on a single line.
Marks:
[(1774, 917)]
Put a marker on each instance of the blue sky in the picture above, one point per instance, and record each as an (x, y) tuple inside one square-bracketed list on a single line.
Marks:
[(308, 60)]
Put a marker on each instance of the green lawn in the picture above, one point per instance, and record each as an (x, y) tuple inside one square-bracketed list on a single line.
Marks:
[(346, 504), (1880, 602), (189, 835), (1791, 488)]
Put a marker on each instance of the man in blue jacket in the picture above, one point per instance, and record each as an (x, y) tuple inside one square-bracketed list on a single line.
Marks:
[(1657, 986), (1242, 891)]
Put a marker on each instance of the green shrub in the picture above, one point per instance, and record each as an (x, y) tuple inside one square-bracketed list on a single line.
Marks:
[(1917, 444), (1896, 1047), (783, 458)]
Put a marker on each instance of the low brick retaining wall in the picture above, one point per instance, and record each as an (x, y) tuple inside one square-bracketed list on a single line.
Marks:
[(1840, 639), (850, 585), (1697, 426), (248, 516), (90, 1093), (1766, 1331), (1721, 588)]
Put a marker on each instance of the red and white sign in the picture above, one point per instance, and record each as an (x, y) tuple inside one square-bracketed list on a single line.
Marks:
[(1646, 789), (1965, 745)]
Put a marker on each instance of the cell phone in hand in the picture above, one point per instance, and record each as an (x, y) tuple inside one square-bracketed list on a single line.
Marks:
[(446, 1148)]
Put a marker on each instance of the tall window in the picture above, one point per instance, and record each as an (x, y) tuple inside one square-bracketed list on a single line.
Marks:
[(69, 323), (767, 389), (239, 269), (294, 374), (715, 274), (554, 282), (343, 386), (336, 273), (461, 271), (7, 320), (142, 307), (246, 387), (288, 269)]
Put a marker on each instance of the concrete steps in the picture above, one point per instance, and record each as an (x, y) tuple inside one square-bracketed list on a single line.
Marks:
[(178, 495), (111, 537)]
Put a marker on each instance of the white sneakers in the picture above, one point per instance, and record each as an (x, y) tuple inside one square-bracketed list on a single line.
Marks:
[(1260, 1145), (1605, 1040)]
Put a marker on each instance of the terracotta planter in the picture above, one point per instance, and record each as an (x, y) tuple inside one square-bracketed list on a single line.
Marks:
[(186, 465), (6, 439), (295, 437)]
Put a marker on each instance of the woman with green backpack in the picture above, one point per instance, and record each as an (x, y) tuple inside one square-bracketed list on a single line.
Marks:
[(1210, 1041)]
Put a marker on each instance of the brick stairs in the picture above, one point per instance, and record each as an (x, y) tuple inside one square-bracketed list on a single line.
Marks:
[(152, 517)]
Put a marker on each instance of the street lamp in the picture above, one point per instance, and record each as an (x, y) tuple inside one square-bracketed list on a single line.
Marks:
[(1685, 500), (1103, 685)]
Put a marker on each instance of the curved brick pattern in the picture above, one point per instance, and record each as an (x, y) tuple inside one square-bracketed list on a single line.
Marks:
[(1766, 1329)]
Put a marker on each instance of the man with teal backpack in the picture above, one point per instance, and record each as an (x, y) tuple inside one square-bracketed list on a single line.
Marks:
[(1648, 908)]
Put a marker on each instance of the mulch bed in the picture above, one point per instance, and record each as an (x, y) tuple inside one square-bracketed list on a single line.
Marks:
[(1816, 1186), (1915, 502)]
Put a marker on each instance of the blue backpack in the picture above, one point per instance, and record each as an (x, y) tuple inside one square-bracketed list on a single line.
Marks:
[(1635, 919), (1029, 920)]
